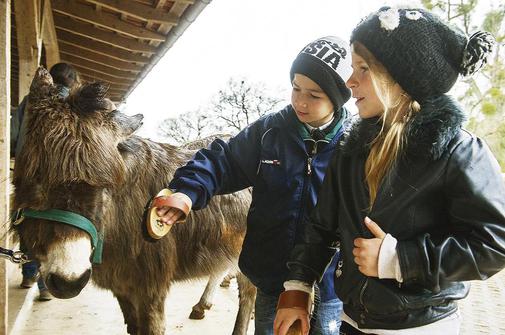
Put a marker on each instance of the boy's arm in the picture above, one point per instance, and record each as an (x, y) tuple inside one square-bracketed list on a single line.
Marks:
[(223, 167)]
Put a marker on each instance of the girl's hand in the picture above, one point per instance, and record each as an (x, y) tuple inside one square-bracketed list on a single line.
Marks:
[(366, 251), (286, 317), (169, 215)]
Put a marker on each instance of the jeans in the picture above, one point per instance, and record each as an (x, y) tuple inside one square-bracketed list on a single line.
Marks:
[(328, 318), (327, 322), (31, 269)]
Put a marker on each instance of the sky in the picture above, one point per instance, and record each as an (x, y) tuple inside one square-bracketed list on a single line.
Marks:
[(255, 39)]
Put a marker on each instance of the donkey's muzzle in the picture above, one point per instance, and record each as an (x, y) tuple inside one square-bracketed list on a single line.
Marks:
[(64, 288)]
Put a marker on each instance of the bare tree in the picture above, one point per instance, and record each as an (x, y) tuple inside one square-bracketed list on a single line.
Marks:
[(234, 107), (187, 127), (242, 102)]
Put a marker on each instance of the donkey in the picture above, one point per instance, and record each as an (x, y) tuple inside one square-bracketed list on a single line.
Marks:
[(81, 156)]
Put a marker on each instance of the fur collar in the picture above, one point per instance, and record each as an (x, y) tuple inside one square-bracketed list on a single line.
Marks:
[(428, 133)]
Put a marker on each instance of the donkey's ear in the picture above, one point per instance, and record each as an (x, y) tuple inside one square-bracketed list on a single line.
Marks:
[(90, 98), (126, 124), (42, 83)]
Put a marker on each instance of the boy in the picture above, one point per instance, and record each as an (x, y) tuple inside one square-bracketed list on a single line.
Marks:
[(283, 157)]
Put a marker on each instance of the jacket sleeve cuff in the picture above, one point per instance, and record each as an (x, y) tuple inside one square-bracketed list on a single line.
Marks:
[(411, 262), (296, 285), (308, 262), (389, 265), (192, 195)]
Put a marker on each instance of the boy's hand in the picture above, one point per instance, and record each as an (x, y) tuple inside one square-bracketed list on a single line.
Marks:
[(169, 215), (366, 250)]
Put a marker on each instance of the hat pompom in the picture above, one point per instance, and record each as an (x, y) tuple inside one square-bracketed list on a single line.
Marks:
[(479, 47)]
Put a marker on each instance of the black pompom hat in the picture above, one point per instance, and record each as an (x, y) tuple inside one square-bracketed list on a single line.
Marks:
[(421, 52), (327, 61)]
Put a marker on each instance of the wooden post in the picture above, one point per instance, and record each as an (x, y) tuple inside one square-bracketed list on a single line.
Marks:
[(5, 95), (28, 25), (49, 38)]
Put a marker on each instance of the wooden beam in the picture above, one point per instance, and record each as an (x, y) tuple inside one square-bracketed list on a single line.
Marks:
[(115, 97), (49, 38), (163, 28), (100, 48), (105, 20), (5, 94), (101, 76), (97, 58), (118, 88), (138, 11), (84, 29), (97, 67), (29, 42), (116, 92)]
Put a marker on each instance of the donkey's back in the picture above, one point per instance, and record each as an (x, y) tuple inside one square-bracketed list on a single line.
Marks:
[(208, 243)]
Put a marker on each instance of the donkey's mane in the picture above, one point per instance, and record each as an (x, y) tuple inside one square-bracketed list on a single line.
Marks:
[(71, 140)]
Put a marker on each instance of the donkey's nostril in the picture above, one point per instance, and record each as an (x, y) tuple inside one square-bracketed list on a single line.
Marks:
[(64, 288)]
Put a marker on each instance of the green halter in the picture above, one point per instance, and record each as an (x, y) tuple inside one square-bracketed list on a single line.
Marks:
[(69, 218)]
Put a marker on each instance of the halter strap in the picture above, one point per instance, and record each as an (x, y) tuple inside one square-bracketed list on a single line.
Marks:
[(70, 218)]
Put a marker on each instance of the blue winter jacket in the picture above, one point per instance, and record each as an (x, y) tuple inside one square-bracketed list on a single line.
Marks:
[(270, 155)]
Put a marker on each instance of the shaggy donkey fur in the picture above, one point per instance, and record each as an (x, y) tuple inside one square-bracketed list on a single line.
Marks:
[(80, 156)]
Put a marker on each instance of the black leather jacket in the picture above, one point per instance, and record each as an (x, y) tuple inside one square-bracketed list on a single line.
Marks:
[(445, 204)]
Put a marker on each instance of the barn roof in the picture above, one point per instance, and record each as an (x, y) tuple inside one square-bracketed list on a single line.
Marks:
[(115, 41)]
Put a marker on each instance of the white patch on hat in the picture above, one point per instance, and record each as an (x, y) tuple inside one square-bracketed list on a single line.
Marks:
[(413, 15), (389, 19), (334, 53)]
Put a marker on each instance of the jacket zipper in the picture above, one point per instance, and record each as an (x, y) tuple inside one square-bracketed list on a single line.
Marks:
[(308, 172), (304, 189), (309, 158), (362, 293)]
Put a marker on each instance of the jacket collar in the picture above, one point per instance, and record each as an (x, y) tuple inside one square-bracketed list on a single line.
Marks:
[(300, 131), (428, 133)]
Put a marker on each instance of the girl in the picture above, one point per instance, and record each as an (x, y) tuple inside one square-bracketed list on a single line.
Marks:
[(415, 203), (283, 156)]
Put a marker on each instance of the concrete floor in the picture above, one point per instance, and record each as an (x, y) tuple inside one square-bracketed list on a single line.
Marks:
[(95, 311)]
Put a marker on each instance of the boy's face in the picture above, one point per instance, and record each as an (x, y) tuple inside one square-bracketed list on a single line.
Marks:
[(309, 101)]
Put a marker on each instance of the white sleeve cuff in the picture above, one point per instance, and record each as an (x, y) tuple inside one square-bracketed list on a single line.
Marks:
[(184, 198), (297, 285), (389, 264)]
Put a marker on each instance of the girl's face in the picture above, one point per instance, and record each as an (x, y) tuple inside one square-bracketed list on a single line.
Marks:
[(360, 83), (309, 101)]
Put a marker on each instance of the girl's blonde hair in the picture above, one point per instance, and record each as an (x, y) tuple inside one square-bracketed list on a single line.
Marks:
[(398, 109)]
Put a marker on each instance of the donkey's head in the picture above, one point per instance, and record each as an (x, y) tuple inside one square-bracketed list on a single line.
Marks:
[(68, 164)]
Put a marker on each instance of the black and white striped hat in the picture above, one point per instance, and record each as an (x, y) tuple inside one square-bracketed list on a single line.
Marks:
[(327, 61)]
